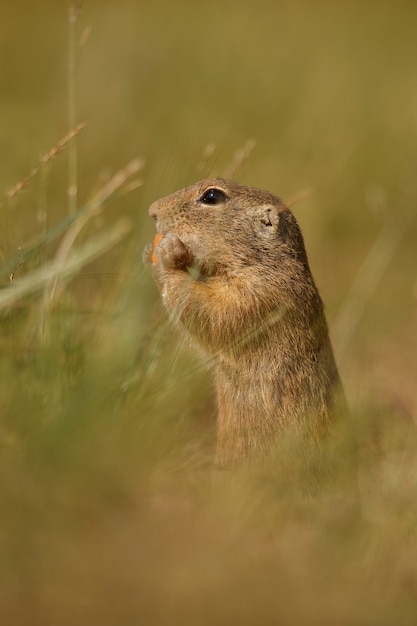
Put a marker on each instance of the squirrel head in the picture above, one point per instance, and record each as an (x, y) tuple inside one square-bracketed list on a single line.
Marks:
[(228, 226)]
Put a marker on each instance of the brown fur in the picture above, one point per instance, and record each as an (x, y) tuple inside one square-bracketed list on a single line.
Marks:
[(235, 277)]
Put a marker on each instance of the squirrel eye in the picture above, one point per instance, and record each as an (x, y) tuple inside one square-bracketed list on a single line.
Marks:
[(213, 196)]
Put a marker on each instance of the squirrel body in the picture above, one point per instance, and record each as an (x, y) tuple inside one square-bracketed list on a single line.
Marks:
[(233, 273)]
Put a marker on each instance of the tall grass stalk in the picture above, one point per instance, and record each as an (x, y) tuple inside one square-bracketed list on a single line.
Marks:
[(92, 208), (368, 279), (23, 184), (64, 268), (73, 13)]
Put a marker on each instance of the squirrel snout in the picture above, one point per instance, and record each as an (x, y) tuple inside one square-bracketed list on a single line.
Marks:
[(153, 210)]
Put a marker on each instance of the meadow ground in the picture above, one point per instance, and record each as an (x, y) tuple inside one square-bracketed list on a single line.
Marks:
[(109, 514)]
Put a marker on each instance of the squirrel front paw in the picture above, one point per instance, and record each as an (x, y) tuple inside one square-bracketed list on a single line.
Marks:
[(147, 255), (172, 253)]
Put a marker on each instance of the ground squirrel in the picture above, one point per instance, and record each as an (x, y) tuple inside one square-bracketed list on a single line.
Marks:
[(232, 269)]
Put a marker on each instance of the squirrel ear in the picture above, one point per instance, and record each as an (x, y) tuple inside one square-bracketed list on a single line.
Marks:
[(269, 217), (275, 220)]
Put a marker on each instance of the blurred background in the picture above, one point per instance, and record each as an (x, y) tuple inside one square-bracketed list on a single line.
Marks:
[(107, 418)]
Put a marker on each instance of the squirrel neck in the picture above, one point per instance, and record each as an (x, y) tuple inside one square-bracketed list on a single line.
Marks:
[(282, 380)]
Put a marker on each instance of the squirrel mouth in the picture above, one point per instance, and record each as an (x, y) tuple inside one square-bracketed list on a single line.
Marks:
[(159, 228)]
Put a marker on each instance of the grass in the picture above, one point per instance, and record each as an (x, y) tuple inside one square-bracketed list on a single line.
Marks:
[(109, 510)]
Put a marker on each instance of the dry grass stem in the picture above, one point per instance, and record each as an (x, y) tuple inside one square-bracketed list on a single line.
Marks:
[(299, 197), (208, 153), (74, 8), (105, 193), (119, 183), (58, 269), (46, 158), (239, 158), (368, 279)]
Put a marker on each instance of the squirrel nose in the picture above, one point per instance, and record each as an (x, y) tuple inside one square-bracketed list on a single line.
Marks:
[(153, 210)]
